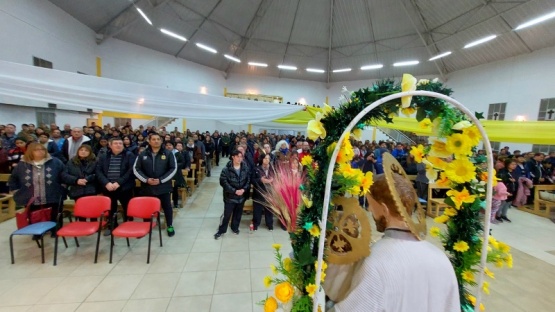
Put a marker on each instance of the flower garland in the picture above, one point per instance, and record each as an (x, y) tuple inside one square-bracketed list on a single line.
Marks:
[(448, 156)]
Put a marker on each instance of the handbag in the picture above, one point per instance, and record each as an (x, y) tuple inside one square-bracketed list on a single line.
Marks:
[(27, 217)]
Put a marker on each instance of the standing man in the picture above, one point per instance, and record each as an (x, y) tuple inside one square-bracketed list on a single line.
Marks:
[(217, 146), (155, 168), (72, 144), (235, 180), (114, 172), (56, 136), (8, 138)]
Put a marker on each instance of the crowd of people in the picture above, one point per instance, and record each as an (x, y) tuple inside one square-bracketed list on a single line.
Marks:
[(48, 163)]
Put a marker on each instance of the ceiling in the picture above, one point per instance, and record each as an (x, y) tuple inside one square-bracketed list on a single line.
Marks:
[(324, 34)]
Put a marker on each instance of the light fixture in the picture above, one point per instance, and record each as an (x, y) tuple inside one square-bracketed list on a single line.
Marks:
[(535, 21), (342, 70), (144, 16), (368, 67), (440, 56), (315, 70), (480, 41), (406, 63), (287, 67), (229, 57), (258, 64), (207, 48), (203, 90), (520, 118), (141, 101), (171, 34)]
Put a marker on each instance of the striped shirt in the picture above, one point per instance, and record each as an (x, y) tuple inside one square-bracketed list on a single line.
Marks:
[(114, 168)]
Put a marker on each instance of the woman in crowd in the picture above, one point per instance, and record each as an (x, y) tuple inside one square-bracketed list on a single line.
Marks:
[(79, 173), (15, 155), (509, 178), (39, 177), (294, 164), (141, 140), (101, 148), (264, 176), (129, 146), (195, 155), (209, 153), (257, 152)]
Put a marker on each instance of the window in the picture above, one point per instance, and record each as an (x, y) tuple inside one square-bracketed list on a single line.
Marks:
[(538, 148), (496, 111), (547, 110), (120, 122), (41, 63), (45, 116)]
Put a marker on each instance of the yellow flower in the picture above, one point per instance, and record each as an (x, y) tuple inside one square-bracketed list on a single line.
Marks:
[(439, 149), (354, 190), (431, 173), (459, 144), (324, 265), (461, 197), (509, 261), (473, 134), (499, 263), (322, 277), (277, 247), (310, 289), (307, 202), (408, 111), (441, 219), (357, 133), (314, 230), (346, 170), (485, 287), (417, 152), (451, 212), (274, 269), (287, 265), (315, 128), (407, 84), (284, 292), (489, 273), (472, 300), (327, 109), (436, 162), (443, 181), (460, 171), (425, 123), (270, 305), (435, 231), (307, 160), (422, 82), (461, 246), (346, 152), (366, 182), (468, 276), (267, 281)]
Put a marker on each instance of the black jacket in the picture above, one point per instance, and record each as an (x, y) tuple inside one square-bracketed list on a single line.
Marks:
[(126, 180), (74, 172), (209, 148), (258, 185), (180, 163), (232, 182), (162, 166)]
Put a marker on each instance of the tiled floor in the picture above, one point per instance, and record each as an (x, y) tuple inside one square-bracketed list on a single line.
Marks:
[(194, 272)]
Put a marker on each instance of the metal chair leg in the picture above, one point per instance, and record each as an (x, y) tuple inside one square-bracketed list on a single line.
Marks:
[(127, 238), (149, 240), (11, 248), (159, 231), (76, 241), (97, 244), (56, 250), (42, 247), (111, 247), (65, 242)]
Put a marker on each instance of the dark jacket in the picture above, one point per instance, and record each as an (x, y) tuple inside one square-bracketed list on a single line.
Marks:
[(180, 163), (134, 149), (217, 143), (186, 159), (162, 166), (259, 187), (74, 172), (126, 179), (209, 148), (23, 173), (232, 182)]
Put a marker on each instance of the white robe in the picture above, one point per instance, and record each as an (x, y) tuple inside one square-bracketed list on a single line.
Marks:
[(403, 274)]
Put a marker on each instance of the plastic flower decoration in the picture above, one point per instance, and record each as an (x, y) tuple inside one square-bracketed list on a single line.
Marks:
[(461, 197), (311, 289), (435, 231), (425, 123), (473, 134), (468, 276), (461, 171), (459, 144), (417, 152), (314, 230), (307, 160), (357, 133), (439, 149), (461, 246), (408, 111), (315, 128), (461, 125), (284, 292), (270, 305), (407, 84)]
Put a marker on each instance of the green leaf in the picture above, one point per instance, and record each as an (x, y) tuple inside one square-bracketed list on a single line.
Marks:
[(479, 115), (304, 256)]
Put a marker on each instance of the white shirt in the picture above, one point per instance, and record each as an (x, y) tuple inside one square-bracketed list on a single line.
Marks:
[(403, 274)]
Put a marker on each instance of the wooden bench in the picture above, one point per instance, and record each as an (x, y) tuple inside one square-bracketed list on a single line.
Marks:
[(191, 180), (7, 204), (435, 204), (541, 207)]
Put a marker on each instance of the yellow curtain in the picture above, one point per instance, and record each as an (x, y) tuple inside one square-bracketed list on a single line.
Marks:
[(532, 132)]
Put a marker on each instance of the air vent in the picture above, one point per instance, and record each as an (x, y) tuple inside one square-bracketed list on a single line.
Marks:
[(41, 63), (89, 110), (52, 105)]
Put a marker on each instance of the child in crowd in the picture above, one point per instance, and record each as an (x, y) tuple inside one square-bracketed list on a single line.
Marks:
[(500, 195)]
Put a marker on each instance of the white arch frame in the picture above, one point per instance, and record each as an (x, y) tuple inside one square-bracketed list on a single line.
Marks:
[(331, 168)]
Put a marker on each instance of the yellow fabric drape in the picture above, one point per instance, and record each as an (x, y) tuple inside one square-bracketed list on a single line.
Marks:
[(531, 132)]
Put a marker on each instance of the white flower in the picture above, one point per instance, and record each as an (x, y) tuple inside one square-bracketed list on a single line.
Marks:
[(423, 82), (435, 80), (344, 89), (461, 125)]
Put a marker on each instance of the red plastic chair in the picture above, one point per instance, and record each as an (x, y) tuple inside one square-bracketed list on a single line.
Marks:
[(87, 207), (146, 208)]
